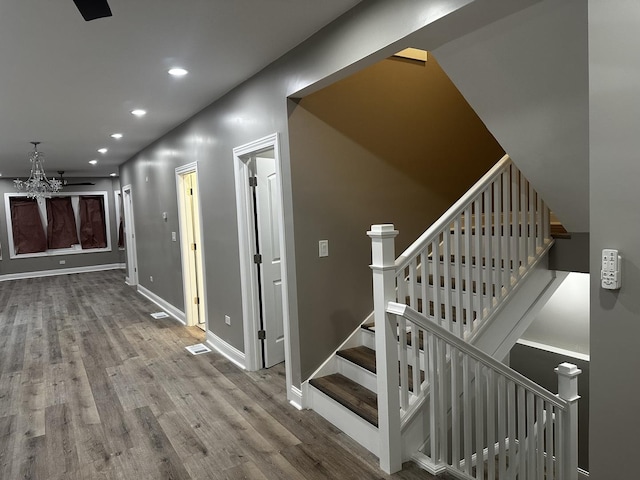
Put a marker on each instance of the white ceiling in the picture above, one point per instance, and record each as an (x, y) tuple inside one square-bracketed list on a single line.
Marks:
[(70, 84)]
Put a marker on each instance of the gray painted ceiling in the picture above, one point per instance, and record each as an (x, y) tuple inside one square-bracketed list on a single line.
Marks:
[(70, 84)]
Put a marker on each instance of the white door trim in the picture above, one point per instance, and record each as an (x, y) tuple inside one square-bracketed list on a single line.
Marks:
[(246, 237), (184, 247), (130, 236)]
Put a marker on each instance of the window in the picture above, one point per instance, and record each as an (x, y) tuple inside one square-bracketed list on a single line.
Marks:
[(61, 225), (93, 229), (28, 234)]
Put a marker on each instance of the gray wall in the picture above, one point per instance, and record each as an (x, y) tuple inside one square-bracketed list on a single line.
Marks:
[(370, 32), (563, 322), (527, 77), (23, 265), (614, 96)]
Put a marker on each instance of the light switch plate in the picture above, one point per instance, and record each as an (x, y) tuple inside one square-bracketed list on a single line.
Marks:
[(323, 248)]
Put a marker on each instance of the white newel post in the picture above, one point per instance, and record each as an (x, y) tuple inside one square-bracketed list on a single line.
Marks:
[(383, 266), (568, 390)]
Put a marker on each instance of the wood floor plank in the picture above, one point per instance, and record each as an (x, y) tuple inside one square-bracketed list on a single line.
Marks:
[(8, 426), (60, 443), (162, 452), (10, 394)]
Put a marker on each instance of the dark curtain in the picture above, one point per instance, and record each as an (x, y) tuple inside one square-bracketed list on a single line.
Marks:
[(93, 230), (28, 232), (61, 223)]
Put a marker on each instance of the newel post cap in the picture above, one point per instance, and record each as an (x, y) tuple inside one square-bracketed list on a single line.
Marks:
[(568, 370), (568, 381), (383, 230)]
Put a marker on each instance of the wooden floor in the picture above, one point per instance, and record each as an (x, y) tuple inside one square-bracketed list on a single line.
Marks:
[(91, 387)]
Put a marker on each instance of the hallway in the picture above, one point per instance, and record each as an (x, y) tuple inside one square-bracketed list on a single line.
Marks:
[(91, 387)]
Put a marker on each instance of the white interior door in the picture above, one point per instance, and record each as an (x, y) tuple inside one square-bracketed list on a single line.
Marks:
[(191, 246), (130, 237), (267, 216), (195, 263)]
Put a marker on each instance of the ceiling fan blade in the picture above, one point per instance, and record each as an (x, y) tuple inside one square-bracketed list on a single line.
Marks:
[(92, 9)]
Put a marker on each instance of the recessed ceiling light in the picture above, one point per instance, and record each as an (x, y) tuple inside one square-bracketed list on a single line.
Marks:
[(103, 150), (117, 136), (113, 174), (138, 112), (93, 162), (178, 72)]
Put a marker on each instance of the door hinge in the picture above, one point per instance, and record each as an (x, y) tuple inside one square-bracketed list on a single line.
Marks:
[(191, 191), (253, 181), (262, 335), (257, 258), (193, 246), (196, 300)]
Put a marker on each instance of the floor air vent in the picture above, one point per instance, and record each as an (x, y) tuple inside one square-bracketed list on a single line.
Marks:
[(198, 349)]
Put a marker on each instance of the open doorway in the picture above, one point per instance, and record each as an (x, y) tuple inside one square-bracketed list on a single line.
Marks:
[(191, 245), (262, 259), (130, 237)]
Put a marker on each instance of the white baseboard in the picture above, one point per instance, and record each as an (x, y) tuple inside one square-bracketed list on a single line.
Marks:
[(162, 303), (229, 351), (295, 397), (552, 349), (61, 271)]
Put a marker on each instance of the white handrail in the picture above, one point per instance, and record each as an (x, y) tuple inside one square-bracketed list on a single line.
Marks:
[(456, 209), (465, 383), (422, 322)]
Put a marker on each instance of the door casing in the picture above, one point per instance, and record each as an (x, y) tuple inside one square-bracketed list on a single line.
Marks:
[(130, 237), (248, 272)]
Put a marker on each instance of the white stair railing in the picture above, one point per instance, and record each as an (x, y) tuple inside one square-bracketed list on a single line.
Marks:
[(458, 274), (488, 421), (460, 269)]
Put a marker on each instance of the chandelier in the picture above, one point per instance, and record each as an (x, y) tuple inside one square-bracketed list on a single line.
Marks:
[(38, 185)]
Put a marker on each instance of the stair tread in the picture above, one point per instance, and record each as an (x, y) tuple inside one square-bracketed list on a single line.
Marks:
[(557, 230), (362, 356), (355, 397), (365, 357)]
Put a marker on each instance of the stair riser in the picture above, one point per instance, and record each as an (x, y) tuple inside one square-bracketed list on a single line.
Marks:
[(350, 423), (356, 373)]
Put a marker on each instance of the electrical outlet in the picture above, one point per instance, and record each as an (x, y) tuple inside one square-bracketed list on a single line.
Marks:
[(151, 278), (62, 262), (227, 319), (174, 237)]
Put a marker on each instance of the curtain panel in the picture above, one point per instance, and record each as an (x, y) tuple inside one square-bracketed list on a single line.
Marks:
[(61, 223), (26, 223), (93, 230)]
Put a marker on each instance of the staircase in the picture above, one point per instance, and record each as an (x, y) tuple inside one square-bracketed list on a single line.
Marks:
[(421, 379)]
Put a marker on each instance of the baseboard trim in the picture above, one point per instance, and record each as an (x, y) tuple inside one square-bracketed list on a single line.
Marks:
[(162, 303), (552, 349), (61, 271), (295, 397), (228, 351)]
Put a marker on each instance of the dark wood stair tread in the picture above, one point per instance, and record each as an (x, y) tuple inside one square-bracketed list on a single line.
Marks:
[(557, 230), (355, 397), (365, 357), (362, 356)]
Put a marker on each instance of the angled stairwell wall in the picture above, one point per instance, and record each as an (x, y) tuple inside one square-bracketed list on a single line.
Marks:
[(527, 78)]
